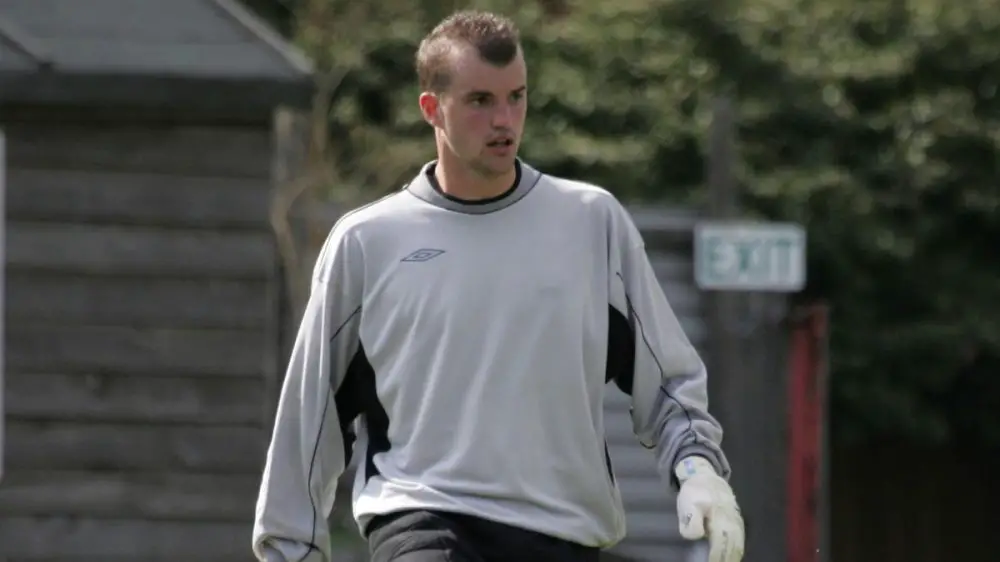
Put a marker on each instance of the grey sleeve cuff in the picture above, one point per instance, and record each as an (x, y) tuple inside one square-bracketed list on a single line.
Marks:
[(711, 454)]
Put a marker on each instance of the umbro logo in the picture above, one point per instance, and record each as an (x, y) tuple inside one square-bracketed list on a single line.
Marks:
[(423, 254)]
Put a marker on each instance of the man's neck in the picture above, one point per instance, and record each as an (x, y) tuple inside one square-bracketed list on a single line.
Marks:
[(462, 183)]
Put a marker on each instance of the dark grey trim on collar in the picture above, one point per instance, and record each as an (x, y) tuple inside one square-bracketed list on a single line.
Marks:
[(422, 188)]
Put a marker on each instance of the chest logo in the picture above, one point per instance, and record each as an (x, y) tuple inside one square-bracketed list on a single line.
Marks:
[(423, 254)]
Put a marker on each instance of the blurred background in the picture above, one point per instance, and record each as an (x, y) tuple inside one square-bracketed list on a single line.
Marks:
[(170, 168)]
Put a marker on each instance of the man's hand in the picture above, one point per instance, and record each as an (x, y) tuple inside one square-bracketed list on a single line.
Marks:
[(707, 507)]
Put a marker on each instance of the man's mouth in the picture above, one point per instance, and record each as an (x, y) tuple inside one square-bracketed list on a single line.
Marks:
[(501, 142)]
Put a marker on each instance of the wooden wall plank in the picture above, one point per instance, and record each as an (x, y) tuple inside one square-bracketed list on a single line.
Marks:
[(112, 398), (635, 462), (147, 495), (139, 266), (635, 491), (643, 549), (138, 251), (134, 198), (60, 348), (44, 445), (137, 301), (65, 538), (141, 147)]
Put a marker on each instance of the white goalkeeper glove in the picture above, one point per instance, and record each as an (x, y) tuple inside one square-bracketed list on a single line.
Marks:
[(706, 507)]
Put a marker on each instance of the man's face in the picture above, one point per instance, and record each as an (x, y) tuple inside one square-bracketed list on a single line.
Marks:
[(481, 113)]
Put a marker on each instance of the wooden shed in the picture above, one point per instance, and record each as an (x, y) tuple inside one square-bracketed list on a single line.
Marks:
[(141, 305)]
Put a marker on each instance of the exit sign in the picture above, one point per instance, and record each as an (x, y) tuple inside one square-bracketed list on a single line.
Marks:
[(747, 256)]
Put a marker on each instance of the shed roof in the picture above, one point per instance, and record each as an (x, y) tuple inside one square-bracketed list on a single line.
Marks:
[(150, 52)]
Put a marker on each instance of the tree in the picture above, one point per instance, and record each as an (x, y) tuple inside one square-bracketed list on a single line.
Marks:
[(875, 124)]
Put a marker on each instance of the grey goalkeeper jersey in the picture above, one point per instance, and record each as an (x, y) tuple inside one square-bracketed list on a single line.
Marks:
[(462, 351)]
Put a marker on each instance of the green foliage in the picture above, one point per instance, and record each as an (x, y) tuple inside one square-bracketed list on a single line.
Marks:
[(882, 136), (875, 123)]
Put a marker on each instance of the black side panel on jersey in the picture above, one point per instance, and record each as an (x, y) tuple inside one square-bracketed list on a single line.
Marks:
[(620, 367), (357, 397), (621, 362)]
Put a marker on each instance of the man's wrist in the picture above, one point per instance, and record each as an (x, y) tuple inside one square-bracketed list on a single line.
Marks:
[(693, 465)]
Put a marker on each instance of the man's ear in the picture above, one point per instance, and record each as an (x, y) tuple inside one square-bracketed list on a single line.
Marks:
[(430, 108)]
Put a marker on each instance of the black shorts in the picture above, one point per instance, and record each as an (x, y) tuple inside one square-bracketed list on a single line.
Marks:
[(426, 536)]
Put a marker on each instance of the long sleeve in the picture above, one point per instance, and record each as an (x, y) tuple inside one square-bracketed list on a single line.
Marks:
[(667, 379), (308, 450)]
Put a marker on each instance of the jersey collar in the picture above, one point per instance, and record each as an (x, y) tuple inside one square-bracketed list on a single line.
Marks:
[(424, 187)]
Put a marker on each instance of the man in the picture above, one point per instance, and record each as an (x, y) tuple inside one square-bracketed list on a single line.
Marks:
[(463, 331)]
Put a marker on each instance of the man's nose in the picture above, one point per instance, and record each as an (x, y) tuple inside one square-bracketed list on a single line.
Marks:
[(503, 116)]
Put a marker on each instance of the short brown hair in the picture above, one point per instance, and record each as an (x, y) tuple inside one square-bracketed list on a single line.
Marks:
[(495, 37)]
